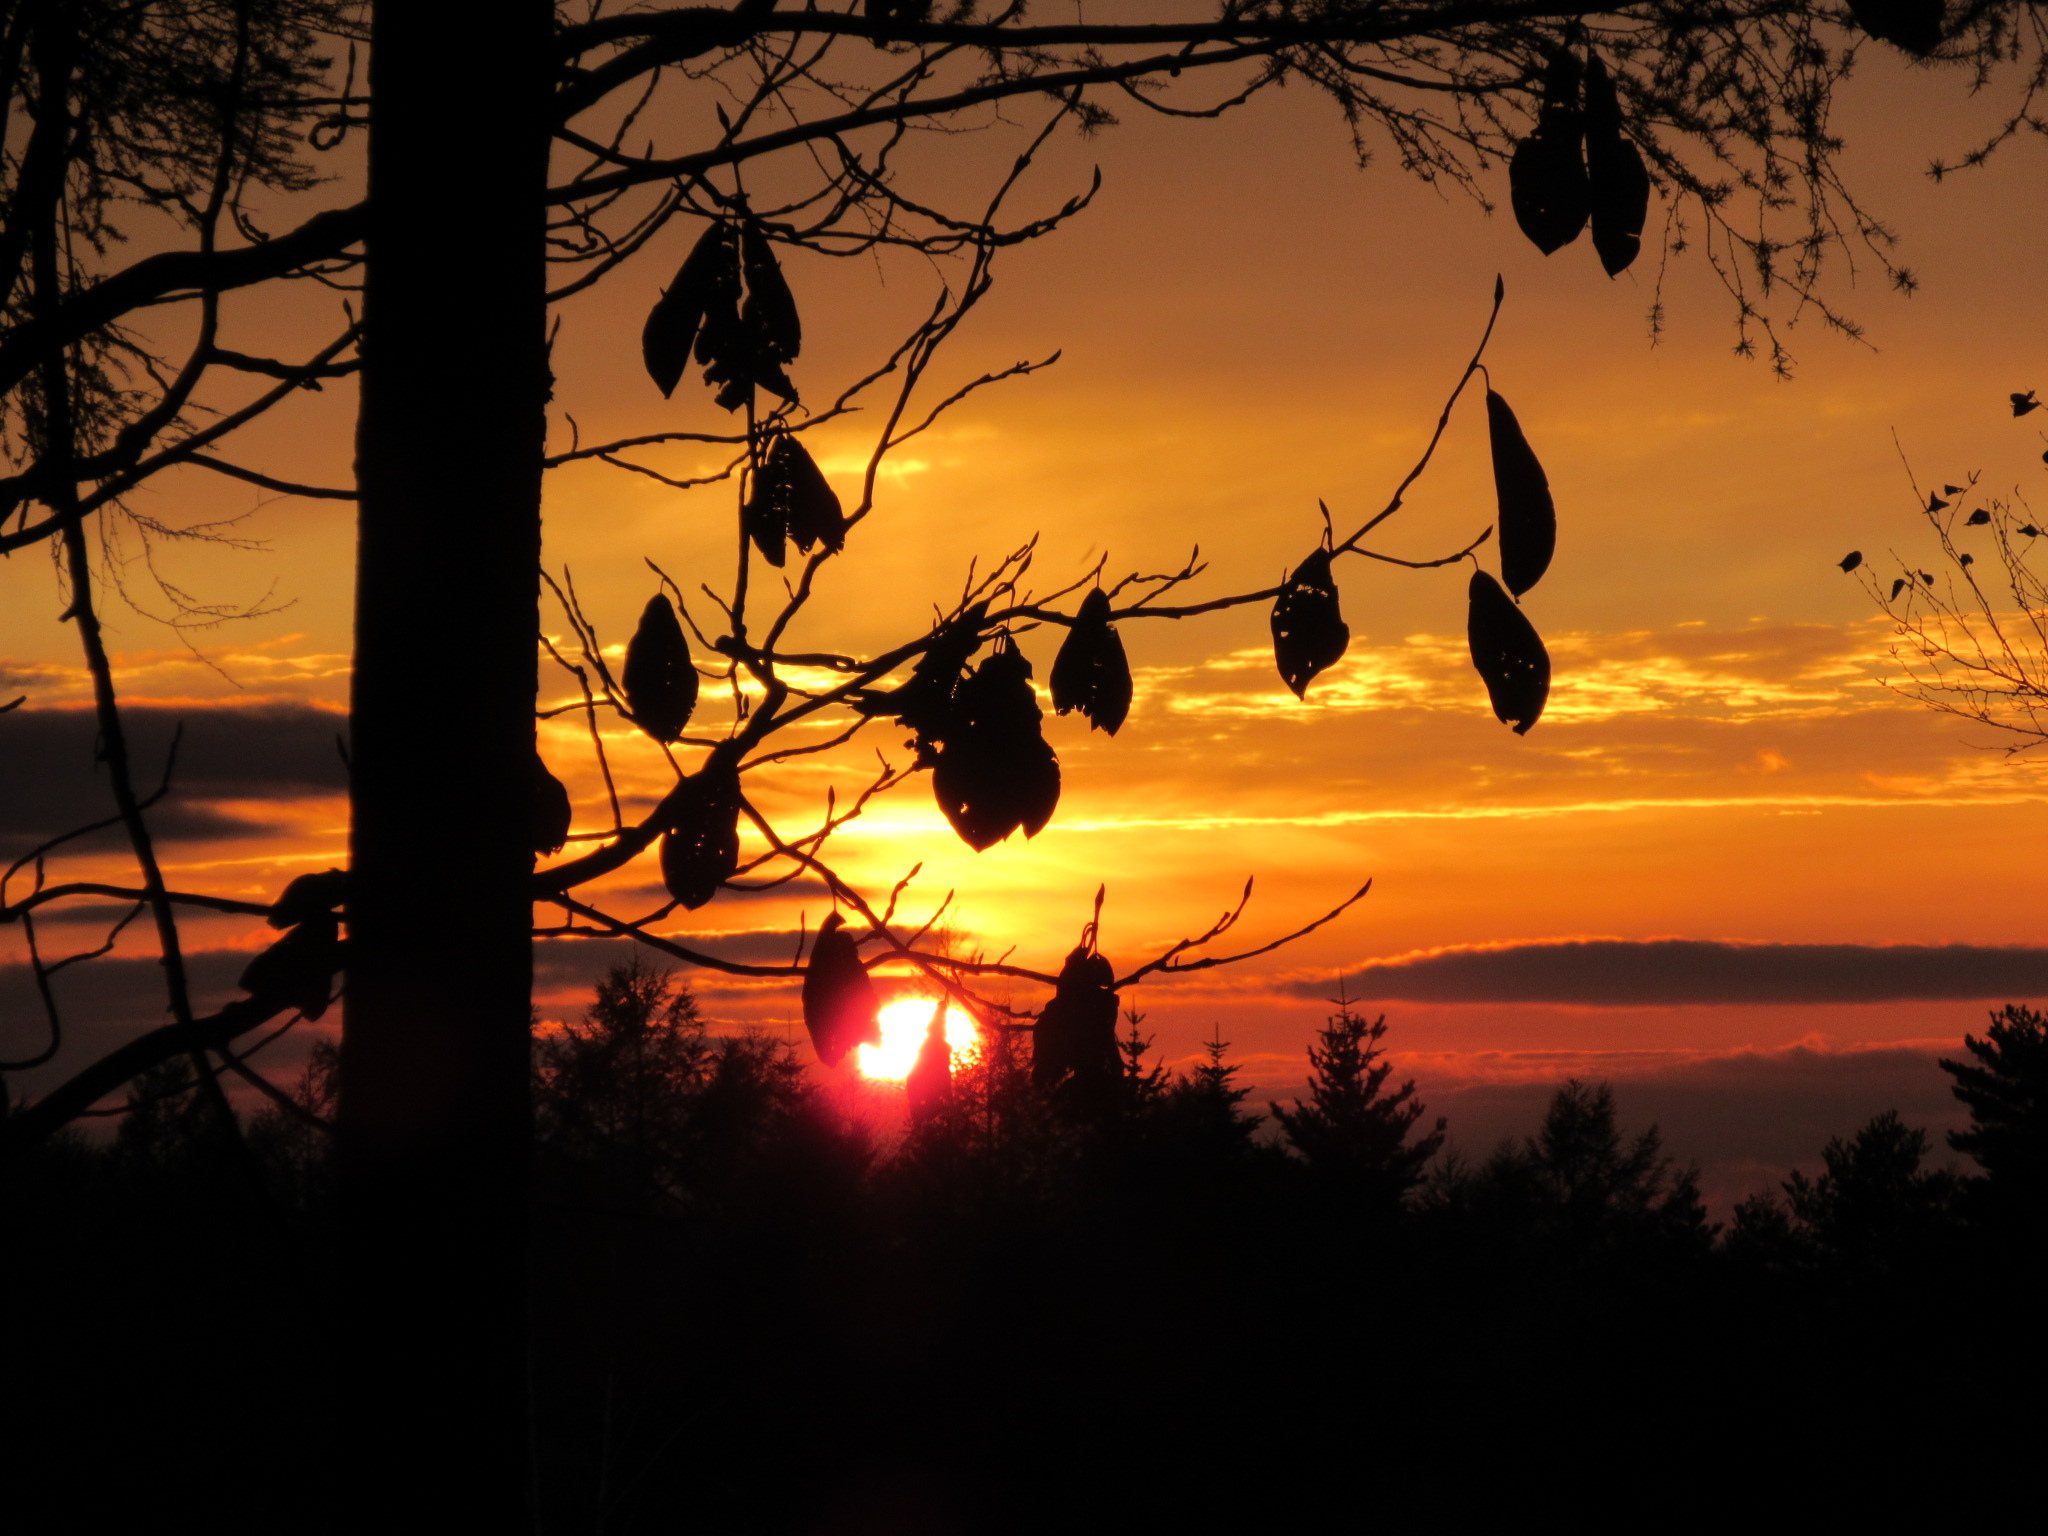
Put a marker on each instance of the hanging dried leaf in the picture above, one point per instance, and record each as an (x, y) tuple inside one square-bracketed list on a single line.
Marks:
[(1508, 653), (661, 684), (672, 325), (298, 970), (764, 516), (721, 341), (1618, 185), (1075, 1038), (701, 848), (2022, 404), (1851, 560), (1912, 25), (1898, 586), (750, 326), (815, 516), (1528, 519), (548, 808), (791, 496), (309, 896), (770, 310), (925, 702), (1309, 632), (1547, 183), (994, 771), (840, 1008), (1091, 672), (1977, 519)]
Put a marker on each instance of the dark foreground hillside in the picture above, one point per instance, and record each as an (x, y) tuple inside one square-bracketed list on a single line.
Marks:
[(1047, 1308)]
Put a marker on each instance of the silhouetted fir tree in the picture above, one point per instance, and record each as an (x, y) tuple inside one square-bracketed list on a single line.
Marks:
[(2005, 1087), (1144, 1086), (1207, 1103), (1875, 1208), (1351, 1132), (639, 1097)]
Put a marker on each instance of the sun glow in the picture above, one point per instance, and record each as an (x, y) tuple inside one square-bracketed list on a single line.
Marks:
[(904, 1023)]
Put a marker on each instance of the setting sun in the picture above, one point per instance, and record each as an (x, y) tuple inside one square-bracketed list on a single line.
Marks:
[(904, 1023)]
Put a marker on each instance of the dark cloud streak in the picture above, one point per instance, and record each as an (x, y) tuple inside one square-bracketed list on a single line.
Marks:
[(50, 782), (1614, 973)]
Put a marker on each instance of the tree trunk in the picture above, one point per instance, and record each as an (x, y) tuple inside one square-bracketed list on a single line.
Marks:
[(435, 1112)]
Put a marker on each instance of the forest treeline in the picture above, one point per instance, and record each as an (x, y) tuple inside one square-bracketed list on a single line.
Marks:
[(1043, 1305)]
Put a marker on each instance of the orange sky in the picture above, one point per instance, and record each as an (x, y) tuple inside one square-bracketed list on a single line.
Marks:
[(1249, 323)]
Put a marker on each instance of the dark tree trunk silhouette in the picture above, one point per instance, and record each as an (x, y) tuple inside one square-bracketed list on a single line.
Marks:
[(435, 1110)]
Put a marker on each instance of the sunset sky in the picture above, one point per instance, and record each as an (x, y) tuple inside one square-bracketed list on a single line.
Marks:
[(1248, 323)]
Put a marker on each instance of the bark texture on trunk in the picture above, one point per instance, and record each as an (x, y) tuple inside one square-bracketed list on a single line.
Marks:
[(435, 1112)]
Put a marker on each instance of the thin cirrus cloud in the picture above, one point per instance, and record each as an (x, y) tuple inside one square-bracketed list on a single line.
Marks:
[(1617, 973), (1756, 673)]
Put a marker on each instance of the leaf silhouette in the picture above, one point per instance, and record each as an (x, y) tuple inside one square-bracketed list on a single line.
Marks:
[(701, 848), (1851, 560), (791, 497), (1618, 186), (309, 896), (748, 327), (1935, 504), (2021, 404), (1508, 654), (660, 682), (298, 970), (1091, 672), (549, 809), (673, 323), (1309, 632), (764, 516), (1913, 25), (1547, 184), (769, 312), (1966, 559), (1076, 1031), (2030, 530), (1977, 519), (1898, 586), (925, 702), (1528, 520), (994, 771), (840, 1007)]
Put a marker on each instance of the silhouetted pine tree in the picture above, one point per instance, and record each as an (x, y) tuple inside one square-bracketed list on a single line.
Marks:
[(1763, 1237), (1580, 1184), (2005, 1089), (294, 1145), (1875, 1208), (167, 1127), (1351, 1132)]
